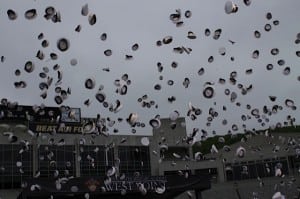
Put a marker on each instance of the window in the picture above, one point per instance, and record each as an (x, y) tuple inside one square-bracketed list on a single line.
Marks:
[(15, 165), (53, 159), (177, 172), (95, 159), (294, 162), (181, 151), (212, 172), (134, 159), (229, 172), (252, 170)]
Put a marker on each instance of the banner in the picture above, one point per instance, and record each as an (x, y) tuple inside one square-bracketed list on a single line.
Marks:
[(101, 187), (66, 128)]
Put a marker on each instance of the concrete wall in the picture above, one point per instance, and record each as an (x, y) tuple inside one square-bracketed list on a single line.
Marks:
[(170, 137), (9, 193)]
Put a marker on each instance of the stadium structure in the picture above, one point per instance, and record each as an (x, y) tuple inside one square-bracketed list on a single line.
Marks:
[(52, 152)]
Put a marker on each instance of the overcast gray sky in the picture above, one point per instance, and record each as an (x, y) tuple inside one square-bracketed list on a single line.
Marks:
[(145, 22)]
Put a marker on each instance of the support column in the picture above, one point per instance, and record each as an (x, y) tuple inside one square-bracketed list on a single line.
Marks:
[(116, 152), (116, 156), (198, 194), (291, 172), (191, 154), (154, 159), (221, 171), (34, 156), (77, 163)]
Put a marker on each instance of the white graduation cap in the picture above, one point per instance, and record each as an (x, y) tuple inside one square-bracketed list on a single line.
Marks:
[(30, 14), (278, 195), (11, 137)]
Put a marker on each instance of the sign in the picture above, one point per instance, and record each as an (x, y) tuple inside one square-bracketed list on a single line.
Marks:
[(66, 128), (101, 187), (128, 184)]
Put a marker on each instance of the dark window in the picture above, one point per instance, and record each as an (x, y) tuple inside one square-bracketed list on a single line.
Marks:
[(134, 159), (237, 170), (53, 160), (95, 160), (283, 165), (15, 165), (177, 172), (252, 170), (261, 170), (245, 172), (170, 153), (229, 173), (294, 162), (212, 172)]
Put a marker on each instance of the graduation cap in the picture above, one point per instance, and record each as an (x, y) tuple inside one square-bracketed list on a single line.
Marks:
[(187, 13), (191, 35), (167, 39), (208, 92), (103, 36), (230, 7), (29, 66), (155, 123), (92, 19), (85, 10), (135, 47), (268, 27), (257, 34), (255, 54), (274, 51), (89, 83), (20, 84), (63, 44), (207, 32), (247, 2), (240, 152), (111, 171), (11, 137), (174, 115), (73, 62), (12, 15), (108, 52), (132, 119), (217, 34), (145, 141), (30, 14), (78, 28)]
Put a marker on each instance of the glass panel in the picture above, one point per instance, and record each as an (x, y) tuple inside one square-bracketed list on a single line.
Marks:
[(237, 172), (134, 159), (261, 171), (212, 172), (11, 174), (229, 175), (252, 171), (53, 159), (93, 160)]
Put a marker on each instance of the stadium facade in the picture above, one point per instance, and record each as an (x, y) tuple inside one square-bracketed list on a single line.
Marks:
[(39, 147)]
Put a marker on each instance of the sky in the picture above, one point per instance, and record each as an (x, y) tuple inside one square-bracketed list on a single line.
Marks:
[(144, 23)]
